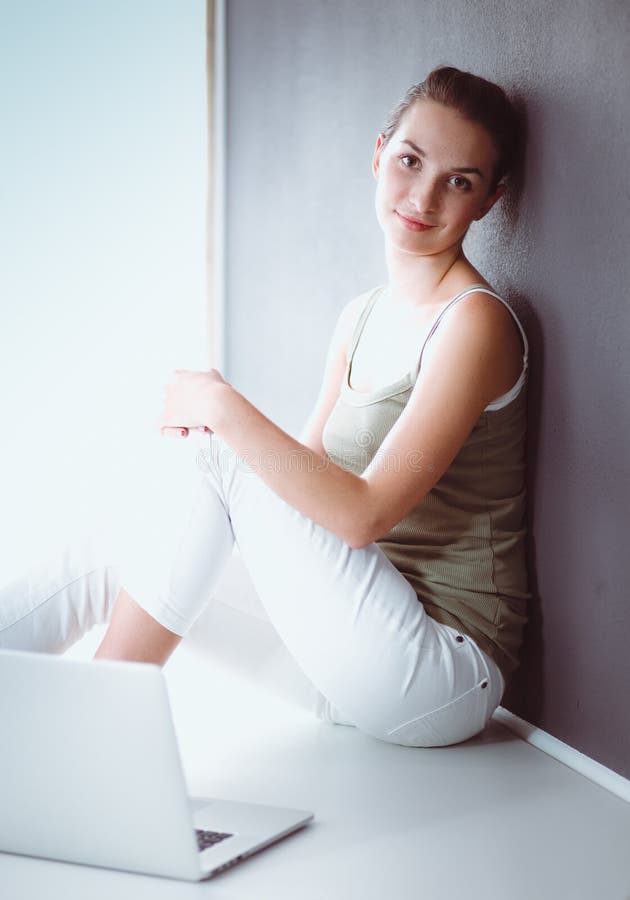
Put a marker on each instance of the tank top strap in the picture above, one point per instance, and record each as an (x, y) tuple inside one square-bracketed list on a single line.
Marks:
[(360, 323), (471, 290)]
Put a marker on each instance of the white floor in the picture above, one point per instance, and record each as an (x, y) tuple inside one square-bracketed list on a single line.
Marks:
[(491, 819)]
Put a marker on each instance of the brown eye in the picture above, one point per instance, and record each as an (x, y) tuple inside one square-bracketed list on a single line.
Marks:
[(460, 182), (408, 161)]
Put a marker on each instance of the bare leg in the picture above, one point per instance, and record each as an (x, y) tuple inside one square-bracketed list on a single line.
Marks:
[(136, 636)]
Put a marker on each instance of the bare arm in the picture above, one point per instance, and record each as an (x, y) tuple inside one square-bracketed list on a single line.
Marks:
[(135, 635), (463, 370)]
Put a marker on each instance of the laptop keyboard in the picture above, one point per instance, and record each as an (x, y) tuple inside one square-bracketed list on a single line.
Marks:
[(206, 839)]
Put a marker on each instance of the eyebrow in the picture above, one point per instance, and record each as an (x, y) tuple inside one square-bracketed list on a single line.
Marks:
[(468, 170)]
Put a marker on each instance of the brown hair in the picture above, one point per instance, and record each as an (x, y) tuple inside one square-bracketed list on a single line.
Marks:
[(475, 99)]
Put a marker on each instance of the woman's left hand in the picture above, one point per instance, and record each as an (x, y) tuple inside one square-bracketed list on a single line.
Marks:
[(190, 401)]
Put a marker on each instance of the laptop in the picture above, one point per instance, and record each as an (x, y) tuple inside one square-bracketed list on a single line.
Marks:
[(90, 773)]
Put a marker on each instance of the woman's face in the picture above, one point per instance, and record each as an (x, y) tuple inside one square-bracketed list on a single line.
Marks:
[(434, 177)]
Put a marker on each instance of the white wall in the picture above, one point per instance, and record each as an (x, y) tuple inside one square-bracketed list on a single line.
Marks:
[(102, 283)]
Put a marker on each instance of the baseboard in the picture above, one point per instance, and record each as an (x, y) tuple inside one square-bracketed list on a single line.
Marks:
[(565, 754)]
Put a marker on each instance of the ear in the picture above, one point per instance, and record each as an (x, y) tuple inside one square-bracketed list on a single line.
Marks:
[(491, 200), (378, 150)]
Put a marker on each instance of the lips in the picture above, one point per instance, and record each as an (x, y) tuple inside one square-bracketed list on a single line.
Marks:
[(413, 224)]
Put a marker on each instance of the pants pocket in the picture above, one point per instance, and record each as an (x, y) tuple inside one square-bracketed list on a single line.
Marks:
[(456, 721)]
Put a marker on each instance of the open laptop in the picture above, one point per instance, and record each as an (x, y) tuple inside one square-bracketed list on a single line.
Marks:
[(90, 773)]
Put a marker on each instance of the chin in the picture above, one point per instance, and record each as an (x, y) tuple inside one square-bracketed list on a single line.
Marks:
[(413, 242)]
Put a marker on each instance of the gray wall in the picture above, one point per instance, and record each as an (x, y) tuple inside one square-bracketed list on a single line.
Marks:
[(309, 83)]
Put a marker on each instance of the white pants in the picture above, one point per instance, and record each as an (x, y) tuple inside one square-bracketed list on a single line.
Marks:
[(336, 629)]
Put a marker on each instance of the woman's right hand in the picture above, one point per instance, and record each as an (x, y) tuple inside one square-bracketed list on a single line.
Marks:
[(171, 431)]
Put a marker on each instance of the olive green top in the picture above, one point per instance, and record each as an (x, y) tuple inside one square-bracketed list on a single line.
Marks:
[(462, 547)]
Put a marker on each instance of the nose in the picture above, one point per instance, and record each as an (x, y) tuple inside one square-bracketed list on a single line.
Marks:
[(424, 193)]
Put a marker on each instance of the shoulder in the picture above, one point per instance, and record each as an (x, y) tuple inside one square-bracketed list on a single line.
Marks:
[(350, 314), (480, 316), (353, 308), (479, 335)]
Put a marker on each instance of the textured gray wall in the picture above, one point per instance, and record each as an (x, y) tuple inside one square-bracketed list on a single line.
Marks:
[(309, 83)]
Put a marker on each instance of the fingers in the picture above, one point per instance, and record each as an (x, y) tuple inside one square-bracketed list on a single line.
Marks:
[(182, 432)]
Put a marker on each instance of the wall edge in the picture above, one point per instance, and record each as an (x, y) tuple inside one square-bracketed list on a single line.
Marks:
[(607, 778)]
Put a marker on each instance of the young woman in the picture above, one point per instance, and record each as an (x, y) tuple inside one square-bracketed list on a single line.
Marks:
[(386, 546)]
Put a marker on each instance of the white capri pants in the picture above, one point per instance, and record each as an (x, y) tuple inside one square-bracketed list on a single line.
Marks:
[(282, 600)]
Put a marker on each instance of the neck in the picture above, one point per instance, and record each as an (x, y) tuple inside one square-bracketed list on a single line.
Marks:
[(413, 280)]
